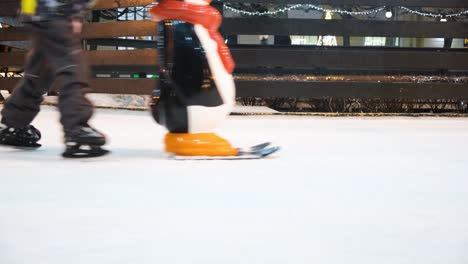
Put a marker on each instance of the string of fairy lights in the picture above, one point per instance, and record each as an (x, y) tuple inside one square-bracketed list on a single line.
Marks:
[(289, 8), (374, 11), (419, 13)]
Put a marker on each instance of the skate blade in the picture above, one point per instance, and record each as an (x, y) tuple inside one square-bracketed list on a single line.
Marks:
[(260, 154), (254, 148), (85, 153), (19, 147)]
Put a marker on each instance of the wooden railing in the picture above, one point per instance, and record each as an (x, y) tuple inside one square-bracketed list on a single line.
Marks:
[(10, 7), (345, 60), (111, 60), (259, 60)]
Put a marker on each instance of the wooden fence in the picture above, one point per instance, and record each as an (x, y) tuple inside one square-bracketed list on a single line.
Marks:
[(284, 59), (347, 60), (103, 59)]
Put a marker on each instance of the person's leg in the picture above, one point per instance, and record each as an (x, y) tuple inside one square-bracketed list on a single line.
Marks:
[(72, 74), (65, 53), (23, 105)]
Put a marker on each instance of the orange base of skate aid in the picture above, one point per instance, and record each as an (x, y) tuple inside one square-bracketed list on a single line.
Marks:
[(203, 144)]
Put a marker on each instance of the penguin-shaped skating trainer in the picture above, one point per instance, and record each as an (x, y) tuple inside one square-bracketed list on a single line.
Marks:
[(196, 90)]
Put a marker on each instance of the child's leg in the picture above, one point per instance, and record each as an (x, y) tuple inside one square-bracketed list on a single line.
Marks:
[(23, 105), (71, 71)]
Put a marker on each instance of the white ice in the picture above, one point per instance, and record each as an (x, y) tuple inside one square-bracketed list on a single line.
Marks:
[(341, 191)]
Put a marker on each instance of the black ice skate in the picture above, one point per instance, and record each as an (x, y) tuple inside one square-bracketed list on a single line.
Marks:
[(84, 143), (25, 138)]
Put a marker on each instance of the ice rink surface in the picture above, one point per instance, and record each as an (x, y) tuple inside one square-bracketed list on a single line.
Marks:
[(342, 191)]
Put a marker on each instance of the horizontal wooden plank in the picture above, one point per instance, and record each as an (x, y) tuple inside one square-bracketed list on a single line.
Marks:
[(112, 4), (13, 34), (103, 85), (112, 42), (349, 58), (251, 57), (412, 3), (9, 7), (123, 57), (292, 89), (119, 29), (12, 59), (351, 90), (94, 30), (144, 57), (315, 27)]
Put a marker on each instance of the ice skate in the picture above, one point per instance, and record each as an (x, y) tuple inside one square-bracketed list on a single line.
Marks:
[(86, 142), (25, 138)]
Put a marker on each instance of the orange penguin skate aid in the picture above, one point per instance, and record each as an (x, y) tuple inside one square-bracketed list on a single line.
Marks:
[(203, 144), (196, 90)]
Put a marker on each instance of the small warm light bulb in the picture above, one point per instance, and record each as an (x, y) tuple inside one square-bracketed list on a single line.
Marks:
[(388, 14)]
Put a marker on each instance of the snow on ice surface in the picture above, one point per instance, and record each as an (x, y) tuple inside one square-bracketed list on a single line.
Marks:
[(342, 190)]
